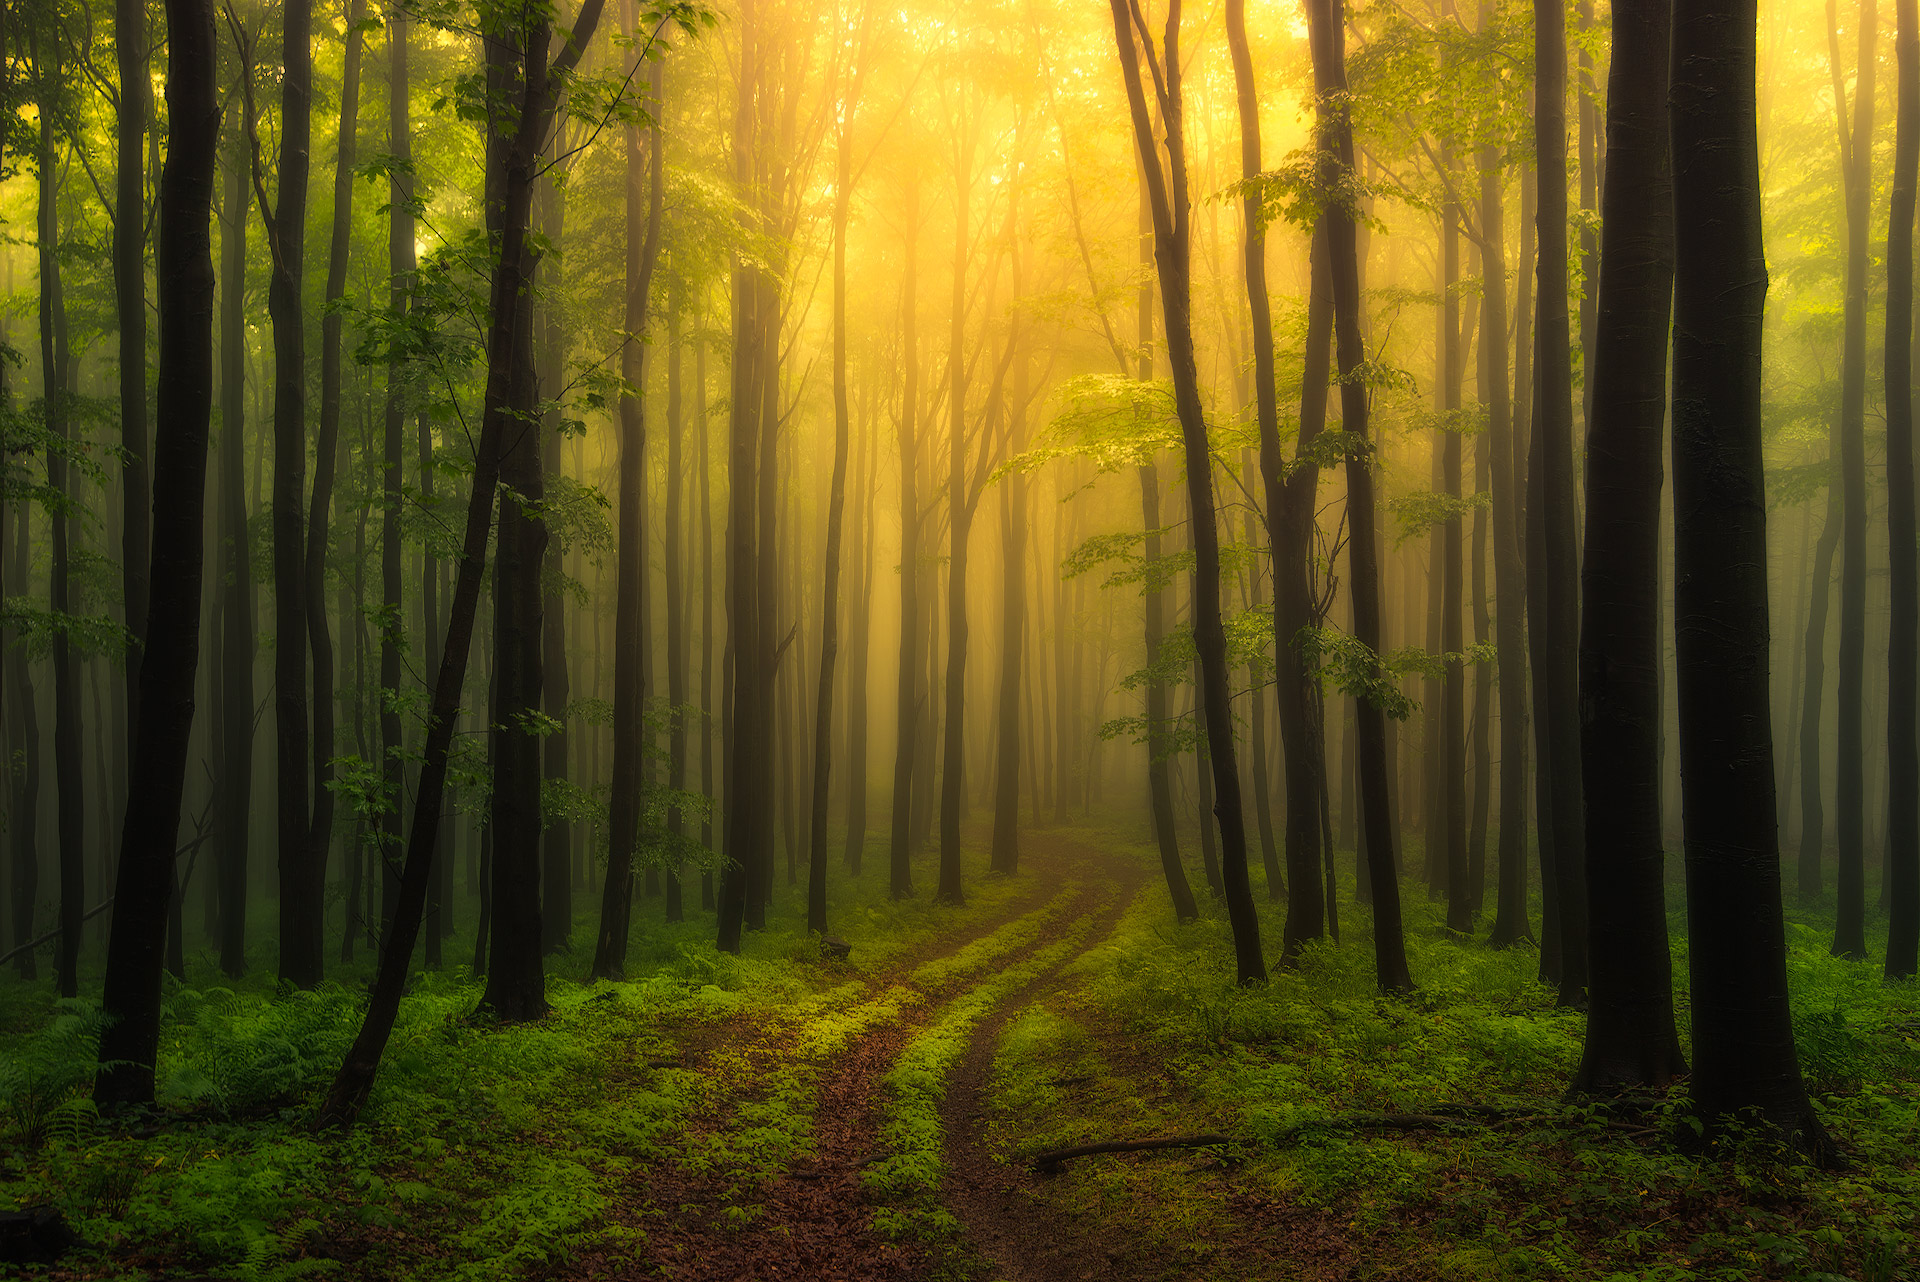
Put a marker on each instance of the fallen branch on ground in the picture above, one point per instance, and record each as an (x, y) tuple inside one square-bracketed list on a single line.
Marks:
[(1050, 1160)]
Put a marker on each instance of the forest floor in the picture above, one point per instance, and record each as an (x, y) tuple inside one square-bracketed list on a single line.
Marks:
[(782, 1115)]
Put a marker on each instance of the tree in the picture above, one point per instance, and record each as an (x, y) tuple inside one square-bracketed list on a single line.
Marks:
[(1552, 504), (1903, 646), (400, 279), (130, 314), (1166, 182), (1335, 170), (836, 511), (644, 208), (184, 276), (900, 868), (1290, 495), (302, 875), (1856, 159), (529, 112), (1743, 1049), (1631, 1041), (235, 591), (320, 835)]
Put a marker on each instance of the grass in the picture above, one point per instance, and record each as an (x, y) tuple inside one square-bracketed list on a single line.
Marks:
[(1157, 1039), (485, 1152)]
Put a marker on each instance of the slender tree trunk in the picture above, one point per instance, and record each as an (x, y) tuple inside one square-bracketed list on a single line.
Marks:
[(1856, 157), (1631, 1041), (183, 261), (23, 802), (1743, 1048), (644, 209), (1903, 645), (302, 877), (959, 534), (1452, 794), (70, 808), (1813, 822), (400, 268), (836, 508), (1167, 190), (314, 574), (1557, 625), (556, 840), (908, 713), (236, 583), (130, 312), (1326, 35), (1290, 512), (533, 94)]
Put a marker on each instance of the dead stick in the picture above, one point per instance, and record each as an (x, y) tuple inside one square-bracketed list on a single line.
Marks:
[(1051, 1159)]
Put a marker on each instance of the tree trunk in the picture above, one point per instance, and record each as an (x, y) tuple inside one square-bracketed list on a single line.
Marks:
[(235, 781), (71, 803), (1743, 1047), (1856, 158), (23, 802), (533, 94), (1903, 646), (400, 268), (130, 312), (1167, 190), (1326, 35), (320, 834), (302, 877), (644, 209), (1557, 626), (1631, 1042), (183, 269), (908, 711), (1290, 512), (1509, 587), (556, 838), (953, 716), (1452, 794), (836, 508)]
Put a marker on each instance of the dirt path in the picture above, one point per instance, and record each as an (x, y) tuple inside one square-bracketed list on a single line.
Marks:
[(813, 1218), (1014, 1235)]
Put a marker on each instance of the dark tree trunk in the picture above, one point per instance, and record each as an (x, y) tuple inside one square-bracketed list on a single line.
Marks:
[(1159, 753), (1509, 587), (953, 715), (1167, 190), (1743, 1050), (1556, 559), (130, 313), (1005, 857), (23, 801), (70, 810), (1326, 35), (320, 835), (1856, 157), (302, 877), (556, 840), (400, 268), (183, 269), (1631, 1041), (533, 97), (1290, 514), (235, 782), (908, 716), (707, 708), (1452, 793), (516, 981), (672, 554), (836, 510), (1813, 820), (1903, 647), (645, 203), (861, 638), (748, 717)]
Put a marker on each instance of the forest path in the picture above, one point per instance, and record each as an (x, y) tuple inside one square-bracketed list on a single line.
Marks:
[(1013, 1235), (796, 1148)]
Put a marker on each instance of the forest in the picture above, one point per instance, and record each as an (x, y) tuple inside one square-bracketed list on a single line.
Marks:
[(757, 639)]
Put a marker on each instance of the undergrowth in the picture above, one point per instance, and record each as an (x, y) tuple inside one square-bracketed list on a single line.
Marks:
[(1159, 1040)]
